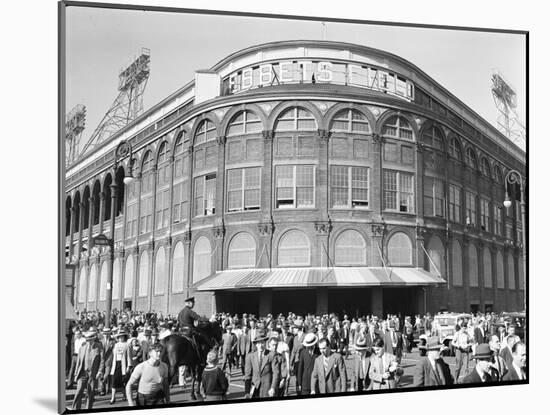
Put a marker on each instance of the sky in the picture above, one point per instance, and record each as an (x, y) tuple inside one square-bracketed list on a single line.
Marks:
[(100, 42)]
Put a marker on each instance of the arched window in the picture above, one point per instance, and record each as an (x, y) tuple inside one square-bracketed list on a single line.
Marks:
[(178, 270), (205, 132), (487, 268), (398, 127), (500, 270), (436, 261), (472, 265), (433, 137), (146, 207), (143, 274), (296, 119), (457, 263), (351, 121), (245, 122), (400, 250), (162, 201), (471, 159), (202, 259), (511, 273), (103, 281), (242, 251), (129, 277), (294, 249), (350, 249), (116, 279), (454, 149), (82, 284), (485, 167), (92, 288), (160, 271)]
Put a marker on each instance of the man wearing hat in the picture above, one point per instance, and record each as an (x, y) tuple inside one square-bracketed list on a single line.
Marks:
[(360, 367), (89, 369), (187, 317), (107, 342), (329, 371), (77, 343), (306, 361), (432, 370), (462, 343), (244, 346), (297, 345), (262, 372), (229, 347), (482, 370)]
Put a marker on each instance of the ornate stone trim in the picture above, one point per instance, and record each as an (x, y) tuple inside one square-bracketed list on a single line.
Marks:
[(323, 134), (420, 232), (218, 231), (377, 139), (268, 134), (221, 140), (323, 227), (378, 229), (187, 237), (266, 228)]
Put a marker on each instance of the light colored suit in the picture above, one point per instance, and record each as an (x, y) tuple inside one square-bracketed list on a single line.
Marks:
[(262, 378), (380, 365), (334, 379)]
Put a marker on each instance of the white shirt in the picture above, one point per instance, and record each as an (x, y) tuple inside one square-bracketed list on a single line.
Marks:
[(518, 371), (78, 343)]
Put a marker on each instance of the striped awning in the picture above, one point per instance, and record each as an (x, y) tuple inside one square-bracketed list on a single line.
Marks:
[(317, 277)]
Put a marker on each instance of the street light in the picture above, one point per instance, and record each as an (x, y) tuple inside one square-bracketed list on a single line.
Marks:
[(514, 177), (123, 150)]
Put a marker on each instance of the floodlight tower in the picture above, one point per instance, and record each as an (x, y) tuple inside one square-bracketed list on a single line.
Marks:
[(507, 119), (128, 104), (75, 123)]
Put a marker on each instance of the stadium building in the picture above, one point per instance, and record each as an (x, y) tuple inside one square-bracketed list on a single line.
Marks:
[(305, 176)]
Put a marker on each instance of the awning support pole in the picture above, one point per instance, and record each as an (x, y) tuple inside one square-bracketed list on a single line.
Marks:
[(388, 274), (431, 261)]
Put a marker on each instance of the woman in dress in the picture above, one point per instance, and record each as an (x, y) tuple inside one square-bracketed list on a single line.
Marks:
[(119, 367)]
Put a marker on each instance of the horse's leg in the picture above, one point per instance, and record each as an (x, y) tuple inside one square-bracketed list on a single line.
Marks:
[(193, 376)]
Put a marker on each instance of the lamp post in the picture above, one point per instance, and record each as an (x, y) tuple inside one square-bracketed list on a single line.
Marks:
[(514, 177), (123, 150)]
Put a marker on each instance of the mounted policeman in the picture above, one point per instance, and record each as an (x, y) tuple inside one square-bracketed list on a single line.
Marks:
[(186, 322)]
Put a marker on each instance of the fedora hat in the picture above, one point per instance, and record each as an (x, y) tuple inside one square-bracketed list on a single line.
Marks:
[(121, 333), (91, 333), (310, 339), (483, 351), (433, 343), (260, 336), (361, 344)]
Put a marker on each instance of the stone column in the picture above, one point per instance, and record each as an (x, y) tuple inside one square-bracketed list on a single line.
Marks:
[(154, 195), (323, 229), (219, 236), (71, 231), (80, 226), (420, 254), (419, 202), (265, 231), (220, 178), (377, 238), (377, 177), (91, 224), (189, 260), (101, 211)]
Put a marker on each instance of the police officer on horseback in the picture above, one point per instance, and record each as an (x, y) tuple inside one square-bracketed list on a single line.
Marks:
[(186, 322)]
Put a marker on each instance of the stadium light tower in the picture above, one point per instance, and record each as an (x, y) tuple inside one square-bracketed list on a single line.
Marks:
[(75, 123), (506, 102), (129, 102)]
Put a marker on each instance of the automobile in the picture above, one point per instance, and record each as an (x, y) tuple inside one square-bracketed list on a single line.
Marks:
[(443, 326), (518, 319)]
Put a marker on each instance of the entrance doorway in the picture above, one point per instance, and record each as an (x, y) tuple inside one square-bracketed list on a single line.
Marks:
[(299, 302), (354, 302), (127, 305), (400, 301)]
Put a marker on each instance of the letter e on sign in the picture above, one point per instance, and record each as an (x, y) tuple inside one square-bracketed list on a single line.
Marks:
[(285, 69)]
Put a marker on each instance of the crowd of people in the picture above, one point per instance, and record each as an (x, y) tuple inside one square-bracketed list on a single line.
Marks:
[(271, 353)]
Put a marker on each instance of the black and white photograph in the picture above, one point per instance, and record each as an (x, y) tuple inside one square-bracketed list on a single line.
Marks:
[(263, 207), (275, 207)]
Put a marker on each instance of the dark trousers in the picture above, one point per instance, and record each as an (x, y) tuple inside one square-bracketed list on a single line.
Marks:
[(241, 359), (70, 378), (151, 399), (215, 398), (461, 356), (228, 360), (104, 385), (84, 385)]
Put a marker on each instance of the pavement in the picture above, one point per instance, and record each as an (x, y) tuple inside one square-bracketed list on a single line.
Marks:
[(236, 384)]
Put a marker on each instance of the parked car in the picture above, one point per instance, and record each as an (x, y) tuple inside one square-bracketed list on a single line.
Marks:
[(444, 326), (518, 319)]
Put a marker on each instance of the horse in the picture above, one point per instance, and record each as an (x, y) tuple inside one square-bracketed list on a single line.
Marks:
[(179, 351)]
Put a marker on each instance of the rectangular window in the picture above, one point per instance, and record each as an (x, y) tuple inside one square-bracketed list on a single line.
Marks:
[(497, 220), (245, 197), (181, 202), (390, 152), (253, 149), (205, 195), (146, 217), (454, 203), (211, 156), (339, 147), (485, 219), (294, 186), (180, 166), (306, 146), (471, 211), (162, 209), (284, 146), (131, 220), (234, 151), (199, 159), (509, 231), (407, 155), (361, 149), (398, 191), (433, 197), (349, 187)]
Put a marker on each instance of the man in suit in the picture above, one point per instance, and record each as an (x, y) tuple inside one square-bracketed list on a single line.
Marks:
[(262, 372), (360, 367), (384, 370), (244, 346), (371, 335), (479, 334), (409, 334), (229, 346), (432, 370), (499, 368), (90, 364), (329, 371), (482, 369), (519, 363), (298, 329), (306, 362), (107, 342), (506, 351), (396, 338)]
